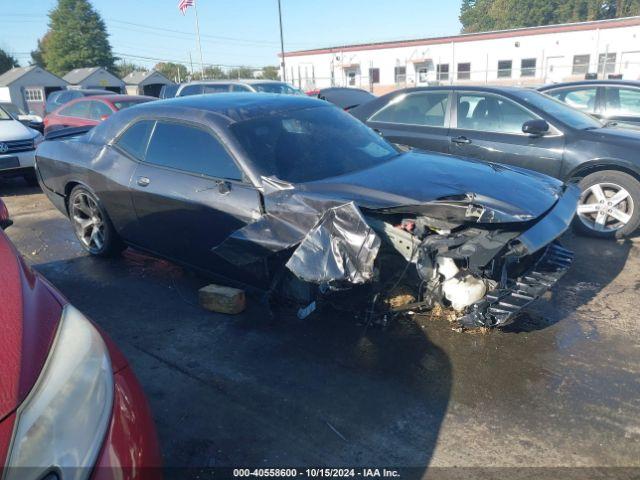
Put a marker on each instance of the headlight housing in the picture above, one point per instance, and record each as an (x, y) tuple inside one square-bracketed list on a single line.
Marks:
[(61, 425)]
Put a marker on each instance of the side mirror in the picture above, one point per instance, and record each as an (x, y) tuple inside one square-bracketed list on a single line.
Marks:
[(535, 128), (5, 221)]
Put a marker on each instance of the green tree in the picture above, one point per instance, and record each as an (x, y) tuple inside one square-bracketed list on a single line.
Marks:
[(484, 15), (270, 73), (7, 61), (174, 71), (123, 69), (77, 38), (36, 55), (210, 73), (240, 72)]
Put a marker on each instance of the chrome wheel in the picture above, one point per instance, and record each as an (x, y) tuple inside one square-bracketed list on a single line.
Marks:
[(87, 221), (605, 207)]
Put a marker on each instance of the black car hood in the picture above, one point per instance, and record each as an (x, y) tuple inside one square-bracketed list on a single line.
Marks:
[(415, 178)]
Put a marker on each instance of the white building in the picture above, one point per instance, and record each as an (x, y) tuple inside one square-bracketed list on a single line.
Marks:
[(29, 87), (94, 77), (146, 83), (523, 56)]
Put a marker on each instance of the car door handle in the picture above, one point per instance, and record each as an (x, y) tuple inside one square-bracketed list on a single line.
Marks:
[(461, 140), (143, 181)]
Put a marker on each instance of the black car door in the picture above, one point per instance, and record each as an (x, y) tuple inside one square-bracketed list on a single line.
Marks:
[(622, 104), (488, 127), (418, 119), (189, 195)]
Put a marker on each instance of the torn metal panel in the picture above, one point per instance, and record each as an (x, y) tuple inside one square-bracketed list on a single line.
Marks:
[(342, 247)]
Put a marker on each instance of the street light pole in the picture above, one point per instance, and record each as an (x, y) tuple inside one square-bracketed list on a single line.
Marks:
[(282, 64)]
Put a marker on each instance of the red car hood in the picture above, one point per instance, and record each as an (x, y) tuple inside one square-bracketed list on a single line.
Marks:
[(29, 316)]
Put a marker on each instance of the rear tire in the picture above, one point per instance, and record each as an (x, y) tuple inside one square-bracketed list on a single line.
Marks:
[(609, 206), (92, 225)]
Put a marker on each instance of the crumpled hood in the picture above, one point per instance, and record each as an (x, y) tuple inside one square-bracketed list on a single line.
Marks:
[(415, 178)]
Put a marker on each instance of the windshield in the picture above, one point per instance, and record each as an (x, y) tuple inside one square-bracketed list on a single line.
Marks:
[(311, 144), (4, 115), (277, 88), (568, 115), (11, 109)]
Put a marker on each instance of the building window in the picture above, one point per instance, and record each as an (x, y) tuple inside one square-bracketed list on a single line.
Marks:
[(504, 69), (374, 75), (464, 71), (33, 94), (606, 63), (528, 67), (351, 78), (422, 74), (443, 71), (400, 74), (580, 64)]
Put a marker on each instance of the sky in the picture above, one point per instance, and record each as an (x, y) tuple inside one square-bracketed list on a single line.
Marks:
[(235, 32)]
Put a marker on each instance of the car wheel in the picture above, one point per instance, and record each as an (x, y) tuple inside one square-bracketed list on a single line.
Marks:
[(91, 224), (609, 206)]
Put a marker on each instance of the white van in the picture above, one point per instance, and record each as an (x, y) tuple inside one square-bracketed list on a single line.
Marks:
[(17, 148)]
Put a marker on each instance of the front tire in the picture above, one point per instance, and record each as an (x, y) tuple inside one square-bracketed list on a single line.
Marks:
[(91, 224), (609, 206)]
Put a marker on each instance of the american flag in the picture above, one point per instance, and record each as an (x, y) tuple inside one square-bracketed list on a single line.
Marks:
[(184, 4)]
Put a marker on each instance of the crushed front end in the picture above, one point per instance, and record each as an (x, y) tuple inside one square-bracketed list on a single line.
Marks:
[(471, 255), (485, 272)]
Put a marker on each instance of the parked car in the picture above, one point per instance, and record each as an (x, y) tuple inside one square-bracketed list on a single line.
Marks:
[(17, 148), (58, 98), (90, 110), (69, 402), (30, 120), (169, 91), (524, 128), (344, 97), (226, 86), (609, 100), (242, 185)]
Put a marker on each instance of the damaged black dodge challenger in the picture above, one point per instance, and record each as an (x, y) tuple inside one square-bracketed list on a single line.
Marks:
[(297, 198)]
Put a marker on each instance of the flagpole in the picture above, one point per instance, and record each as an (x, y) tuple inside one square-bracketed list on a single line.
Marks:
[(282, 64), (195, 7)]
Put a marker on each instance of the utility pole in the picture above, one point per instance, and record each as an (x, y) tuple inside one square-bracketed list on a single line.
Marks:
[(195, 7), (282, 64)]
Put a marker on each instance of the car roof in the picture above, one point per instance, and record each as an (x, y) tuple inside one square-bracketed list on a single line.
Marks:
[(628, 83), (235, 106)]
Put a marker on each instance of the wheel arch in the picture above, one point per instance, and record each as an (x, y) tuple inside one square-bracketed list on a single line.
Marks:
[(585, 169), (69, 186)]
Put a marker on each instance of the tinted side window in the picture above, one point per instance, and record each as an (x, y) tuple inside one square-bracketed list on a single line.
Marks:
[(99, 110), (216, 88), (79, 110), (191, 90), (190, 149), (623, 101), (134, 141), (491, 113), (581, 98), (240, 88), (425, 108)]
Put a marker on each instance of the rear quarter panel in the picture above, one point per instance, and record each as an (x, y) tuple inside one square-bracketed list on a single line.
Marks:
[(64, 163)]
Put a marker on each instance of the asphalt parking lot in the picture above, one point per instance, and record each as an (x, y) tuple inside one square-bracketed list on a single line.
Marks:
[(558, 389)]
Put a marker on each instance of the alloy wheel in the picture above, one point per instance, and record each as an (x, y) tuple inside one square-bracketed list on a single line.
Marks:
[(88, 222), (605, 207)]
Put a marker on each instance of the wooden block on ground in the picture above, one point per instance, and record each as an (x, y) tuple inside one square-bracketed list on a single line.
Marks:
[(218, 298)]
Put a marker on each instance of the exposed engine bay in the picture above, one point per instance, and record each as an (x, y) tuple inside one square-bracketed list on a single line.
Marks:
[(456, 253)]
